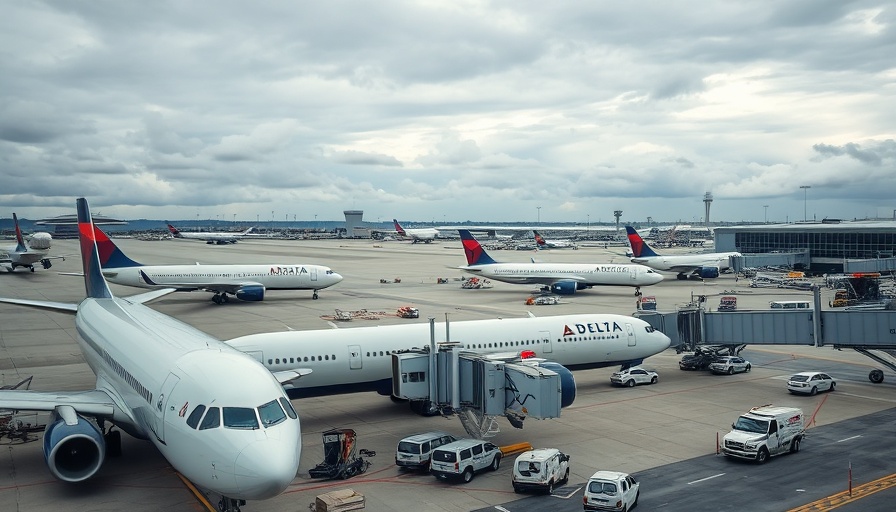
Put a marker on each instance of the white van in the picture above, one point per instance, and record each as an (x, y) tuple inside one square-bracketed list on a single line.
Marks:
[(764, 432), (611, 490), (414, 451), (464, 459), (540, 469)]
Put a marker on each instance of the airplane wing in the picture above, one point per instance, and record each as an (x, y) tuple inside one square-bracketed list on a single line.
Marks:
[(142, 298), (92, 403), (289, 376)]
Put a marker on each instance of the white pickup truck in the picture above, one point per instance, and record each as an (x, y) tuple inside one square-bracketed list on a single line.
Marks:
[(764, 432)]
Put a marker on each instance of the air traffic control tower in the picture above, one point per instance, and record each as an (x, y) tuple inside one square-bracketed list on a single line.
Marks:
[(354, 225)]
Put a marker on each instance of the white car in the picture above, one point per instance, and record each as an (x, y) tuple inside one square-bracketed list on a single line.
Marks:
[(463, 459), (730, 365), (611, 490), (634, 375), (810, 383)]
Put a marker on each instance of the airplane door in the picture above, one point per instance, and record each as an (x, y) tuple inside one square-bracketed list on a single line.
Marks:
[(545, 341), (313, 274), (257, 355), (630, 333), (354, 357), (162, 404)]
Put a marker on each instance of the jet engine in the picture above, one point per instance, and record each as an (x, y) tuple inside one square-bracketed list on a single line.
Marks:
[(567, 287), (40, 241), (251, 293), (567, 382), (708, 272), (74, 449)]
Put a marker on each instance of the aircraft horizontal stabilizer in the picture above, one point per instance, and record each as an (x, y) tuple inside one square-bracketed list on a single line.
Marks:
[(44, 304)]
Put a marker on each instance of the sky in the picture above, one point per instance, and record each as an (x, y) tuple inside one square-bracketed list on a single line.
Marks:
[(436, 111)]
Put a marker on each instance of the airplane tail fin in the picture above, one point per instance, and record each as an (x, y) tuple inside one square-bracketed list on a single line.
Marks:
[(539, 240), (398, 228), (474, 252), (94, 282), (173, 230), (110, 255), (20, 240), (639, 246)]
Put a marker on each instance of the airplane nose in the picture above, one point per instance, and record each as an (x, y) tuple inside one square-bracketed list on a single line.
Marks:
[(264, 469), (337, 277)]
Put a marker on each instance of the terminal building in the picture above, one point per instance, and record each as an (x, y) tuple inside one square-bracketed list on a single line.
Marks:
[(820, 247)]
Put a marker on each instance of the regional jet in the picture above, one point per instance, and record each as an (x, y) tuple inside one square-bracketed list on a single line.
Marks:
[(26, 255), (704, 265), (219, 238), (218, 416), (559, 278), (335, 361), (245, 282), (541, 243), (426, 235)]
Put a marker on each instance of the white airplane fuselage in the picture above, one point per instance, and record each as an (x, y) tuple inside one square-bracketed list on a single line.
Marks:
[(156, 384), (589, 274), (359, 359), (272, 277), (683, 262)]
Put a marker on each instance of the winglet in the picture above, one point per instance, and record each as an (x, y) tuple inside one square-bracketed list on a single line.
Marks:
[(94, 282), (398, 228), (639, 246), (110, 255), (474, 252), (20, 240)]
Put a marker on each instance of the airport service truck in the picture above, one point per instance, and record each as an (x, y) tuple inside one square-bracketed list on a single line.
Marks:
[(764, 432)]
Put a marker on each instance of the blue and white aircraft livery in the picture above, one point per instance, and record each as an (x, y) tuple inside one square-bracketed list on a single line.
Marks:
[(359, 359), (209, 237), (218, 416), (560, 278), (706, 265), (26, 254), (245, 282)]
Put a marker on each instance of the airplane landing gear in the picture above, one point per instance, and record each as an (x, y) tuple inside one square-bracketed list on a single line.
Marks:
[(31, 267), (226, 504), (219, 298), (314, 296), (46, 263)]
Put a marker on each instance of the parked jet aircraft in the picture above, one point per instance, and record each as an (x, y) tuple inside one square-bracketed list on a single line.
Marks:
[(218, 416), (705, 265), (335, 361), (425, 235), (26, 255), (560, 278), (219, 238), (542, 244), (245, 282)]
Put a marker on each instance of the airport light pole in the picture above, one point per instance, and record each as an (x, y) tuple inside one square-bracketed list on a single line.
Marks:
[(766, 212), (805, 195), (538, 219)]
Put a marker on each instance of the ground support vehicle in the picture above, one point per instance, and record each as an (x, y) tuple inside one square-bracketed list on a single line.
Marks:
[(634, 375), (341, 459), (414, 452), (765, 432), (810, 383), (730, 365), (611, 490), (540, 469), (464, 458)]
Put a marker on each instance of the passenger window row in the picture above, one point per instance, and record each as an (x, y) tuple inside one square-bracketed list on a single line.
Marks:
[(305, 359)]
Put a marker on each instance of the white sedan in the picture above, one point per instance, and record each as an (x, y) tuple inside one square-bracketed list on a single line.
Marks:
[(730, 365), (634, 375), (810, 383)]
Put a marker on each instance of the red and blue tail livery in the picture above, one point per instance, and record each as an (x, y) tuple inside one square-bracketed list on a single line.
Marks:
[(639, 246), (474, 252), (94, 283)]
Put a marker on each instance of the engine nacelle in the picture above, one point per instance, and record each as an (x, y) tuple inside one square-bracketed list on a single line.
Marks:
[(74, 452), (567, 287), (708, 272), (251, 293), (567, 382), (40, 241)]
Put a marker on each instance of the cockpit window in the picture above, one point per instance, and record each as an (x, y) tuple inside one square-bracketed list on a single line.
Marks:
[(195, 416), (288, 406), (212, 419), (271, 413), (240, 417), (649, 328)]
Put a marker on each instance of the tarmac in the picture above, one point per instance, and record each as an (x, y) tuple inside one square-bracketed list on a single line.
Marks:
[(635, 430)]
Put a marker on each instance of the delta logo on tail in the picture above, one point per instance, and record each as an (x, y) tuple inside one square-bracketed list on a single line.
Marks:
[(473, 250), (639, 248), (398, 227), (539, 239), (110, 255)]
